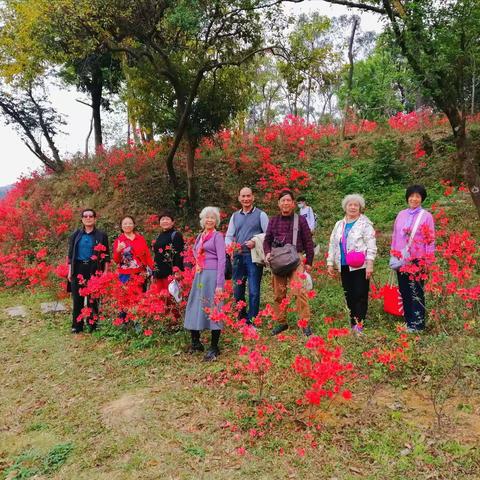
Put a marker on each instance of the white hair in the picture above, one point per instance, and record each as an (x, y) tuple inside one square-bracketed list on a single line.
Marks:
[(213, 211), (354, 197)]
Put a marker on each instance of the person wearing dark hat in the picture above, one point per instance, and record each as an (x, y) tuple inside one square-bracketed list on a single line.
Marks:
[(88, 253), (280, 232), (412, 251)]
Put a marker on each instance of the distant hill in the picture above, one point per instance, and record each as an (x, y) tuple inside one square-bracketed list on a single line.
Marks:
[(4, 190)]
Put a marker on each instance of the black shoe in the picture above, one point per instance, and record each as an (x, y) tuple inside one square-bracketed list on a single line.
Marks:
[(279, 329), (307, 331), (76, 330), (196, 347), (211, 355)]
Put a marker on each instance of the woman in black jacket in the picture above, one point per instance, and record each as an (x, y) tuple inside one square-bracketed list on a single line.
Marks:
[(168, 254)]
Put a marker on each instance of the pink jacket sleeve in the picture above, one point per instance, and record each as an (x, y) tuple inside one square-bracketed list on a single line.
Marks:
[(430, 223), (393, 245)]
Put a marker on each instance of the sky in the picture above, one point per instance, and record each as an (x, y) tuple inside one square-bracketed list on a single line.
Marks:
[(17, 160)]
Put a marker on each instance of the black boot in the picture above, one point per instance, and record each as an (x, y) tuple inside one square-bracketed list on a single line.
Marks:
[(279, 328), (213, 351), (196, 345)]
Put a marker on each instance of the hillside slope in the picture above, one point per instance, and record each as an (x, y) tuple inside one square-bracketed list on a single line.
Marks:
[(128, 402)]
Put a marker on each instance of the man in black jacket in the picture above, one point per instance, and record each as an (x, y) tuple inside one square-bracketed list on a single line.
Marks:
[(88, 253)]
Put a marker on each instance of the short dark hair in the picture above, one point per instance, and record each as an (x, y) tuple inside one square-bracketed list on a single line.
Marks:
[(286, 192), (166, 213), (88, 210), (301, 198), (420, 189)]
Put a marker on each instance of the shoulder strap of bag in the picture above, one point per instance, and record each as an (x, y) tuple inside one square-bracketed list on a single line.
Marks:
[(414, 229), (295, 229), (172, 235), (343, 239)]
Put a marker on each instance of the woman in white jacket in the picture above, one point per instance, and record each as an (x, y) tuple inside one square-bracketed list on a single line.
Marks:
[(352, 251)]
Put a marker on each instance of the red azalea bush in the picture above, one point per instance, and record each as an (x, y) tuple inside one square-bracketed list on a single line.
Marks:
[(35, 223)]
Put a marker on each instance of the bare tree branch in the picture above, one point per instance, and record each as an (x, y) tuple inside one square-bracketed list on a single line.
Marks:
[(359, 5)]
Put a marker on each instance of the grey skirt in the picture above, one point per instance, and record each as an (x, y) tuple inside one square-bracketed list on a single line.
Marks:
[(201, 296)]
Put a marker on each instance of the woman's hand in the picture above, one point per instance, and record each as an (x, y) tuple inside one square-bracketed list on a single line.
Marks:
[(331, 271), (178, 276), (369, 269), (120, 246)]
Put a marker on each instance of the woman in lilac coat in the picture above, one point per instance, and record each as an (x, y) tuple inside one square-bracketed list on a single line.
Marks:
[(209, 280), (412, 249)]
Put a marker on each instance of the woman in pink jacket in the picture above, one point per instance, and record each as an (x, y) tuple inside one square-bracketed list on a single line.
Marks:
[(412, 251)]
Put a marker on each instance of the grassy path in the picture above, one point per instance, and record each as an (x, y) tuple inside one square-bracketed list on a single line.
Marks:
[(86, 407)]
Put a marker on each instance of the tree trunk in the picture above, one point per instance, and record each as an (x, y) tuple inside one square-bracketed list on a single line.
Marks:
[(465, 154), (309, 93), (181, 129), (191, 184), (87, 140), (96, 91), (356, 20), (474, 81)]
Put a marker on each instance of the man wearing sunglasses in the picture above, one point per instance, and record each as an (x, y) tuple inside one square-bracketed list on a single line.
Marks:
[(88, 253)]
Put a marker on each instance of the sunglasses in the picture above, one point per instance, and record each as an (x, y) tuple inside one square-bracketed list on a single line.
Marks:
[(88, 216)]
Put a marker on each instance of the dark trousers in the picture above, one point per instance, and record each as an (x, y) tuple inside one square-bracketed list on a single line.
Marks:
[(413, 298), (244, 270), (86, 271), (355, 287)]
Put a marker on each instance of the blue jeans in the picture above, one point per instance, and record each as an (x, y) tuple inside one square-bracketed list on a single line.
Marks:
[(413, 298), (244, 270)]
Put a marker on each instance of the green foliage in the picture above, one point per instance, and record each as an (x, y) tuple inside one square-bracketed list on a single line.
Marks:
[(33, 463), (386, 167), (383, 83), (311, 64)]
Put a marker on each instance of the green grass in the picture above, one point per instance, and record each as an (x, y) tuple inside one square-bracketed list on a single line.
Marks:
[(103, 407)]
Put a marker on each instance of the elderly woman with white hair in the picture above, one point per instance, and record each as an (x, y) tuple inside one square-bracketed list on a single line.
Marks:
[(352, 251), (209, 280)]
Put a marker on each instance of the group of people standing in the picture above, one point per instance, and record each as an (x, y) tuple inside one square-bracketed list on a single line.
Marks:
[(284, 242)]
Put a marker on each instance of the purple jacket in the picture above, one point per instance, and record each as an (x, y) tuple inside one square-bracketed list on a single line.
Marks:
[(280, 228), (423, 243), (214, 258)]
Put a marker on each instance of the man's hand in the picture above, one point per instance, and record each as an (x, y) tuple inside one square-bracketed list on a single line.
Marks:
[(268, 256), (69, 275), (250, 244), (331, 271)]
